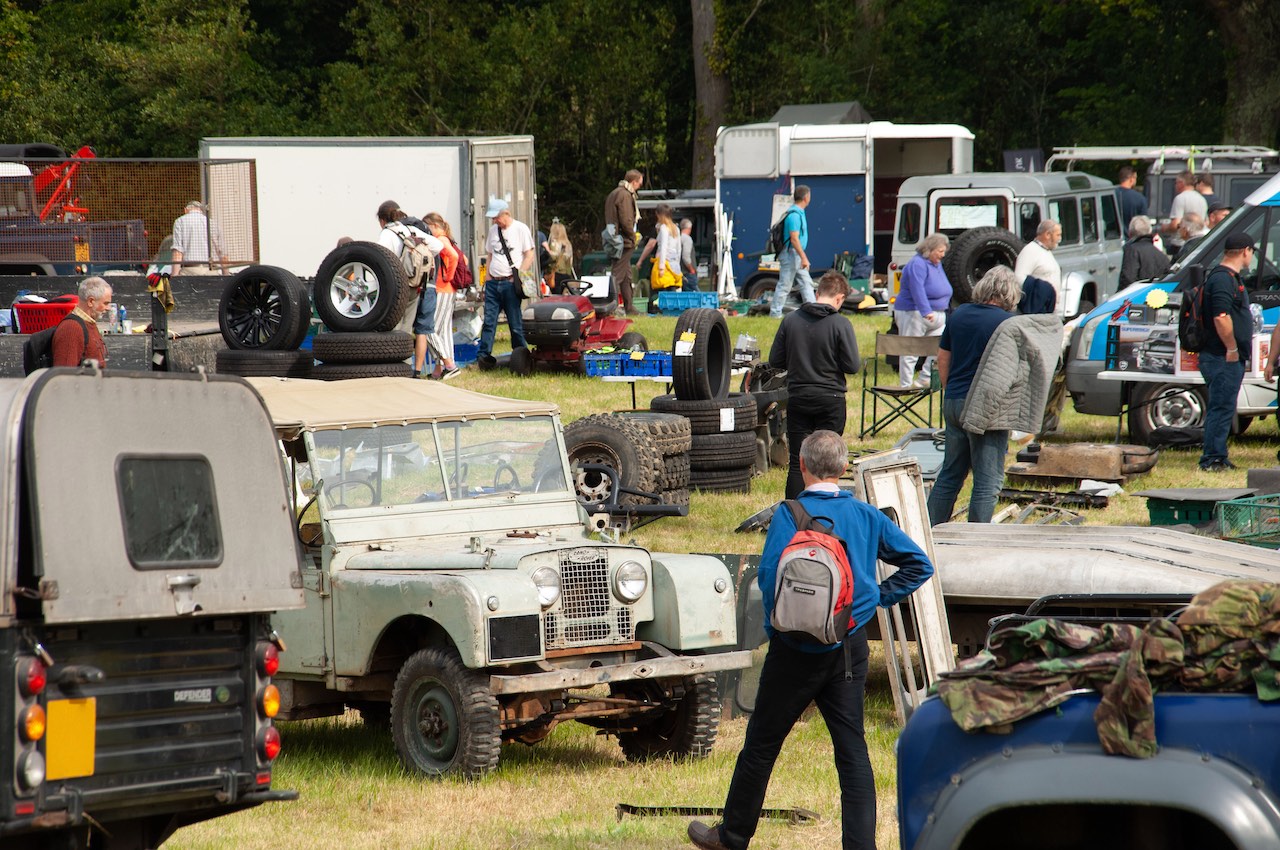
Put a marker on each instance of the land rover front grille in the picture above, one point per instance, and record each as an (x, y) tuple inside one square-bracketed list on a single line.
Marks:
[(588, 614)]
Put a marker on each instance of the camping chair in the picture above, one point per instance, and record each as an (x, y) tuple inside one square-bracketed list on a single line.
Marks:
[(897, 402)]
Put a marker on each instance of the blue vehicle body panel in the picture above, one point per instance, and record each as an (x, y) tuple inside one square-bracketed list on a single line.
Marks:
[(837, 217), (1235, 728)]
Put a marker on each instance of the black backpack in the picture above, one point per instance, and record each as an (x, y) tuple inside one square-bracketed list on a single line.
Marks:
[(1192, 331), (777, 235), (37, 351)]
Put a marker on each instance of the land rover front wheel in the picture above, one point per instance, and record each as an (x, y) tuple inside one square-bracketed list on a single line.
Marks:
[(444, 719), (685, 730)]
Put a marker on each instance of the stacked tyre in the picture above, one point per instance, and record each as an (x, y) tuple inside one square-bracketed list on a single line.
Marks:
[(264, 315), (722, 424), (361, 293), (673, 437)]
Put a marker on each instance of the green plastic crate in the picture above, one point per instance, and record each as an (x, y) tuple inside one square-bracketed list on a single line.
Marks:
[(1254, 520), (1176, 512)]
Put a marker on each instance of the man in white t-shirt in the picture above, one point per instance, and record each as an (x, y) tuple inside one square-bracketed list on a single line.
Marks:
[(1037, 260), (1187, 200), (510, 249), (192, 233)]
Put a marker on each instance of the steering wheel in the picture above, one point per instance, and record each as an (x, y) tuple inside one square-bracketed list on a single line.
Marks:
[(350, 484), (548, 479), (310, 534), (458, 478), (503, 466), (573, 286)]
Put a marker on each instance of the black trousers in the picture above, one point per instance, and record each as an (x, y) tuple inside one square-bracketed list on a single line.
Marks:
[(806, 414), (790, 680)]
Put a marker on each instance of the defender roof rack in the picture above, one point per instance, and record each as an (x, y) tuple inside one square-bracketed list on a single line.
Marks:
[(1203, 154)]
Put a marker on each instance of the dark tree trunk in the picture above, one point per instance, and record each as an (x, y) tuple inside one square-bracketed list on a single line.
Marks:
[(711, 87), (1251, 40)]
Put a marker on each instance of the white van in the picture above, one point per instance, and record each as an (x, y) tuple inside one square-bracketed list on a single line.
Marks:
[(990, 216)]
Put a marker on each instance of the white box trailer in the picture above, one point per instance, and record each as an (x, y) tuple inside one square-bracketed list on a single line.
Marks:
[(312, 191), (854, 171)]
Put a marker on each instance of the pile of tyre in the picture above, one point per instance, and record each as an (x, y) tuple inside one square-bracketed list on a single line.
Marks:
[(722, 451), (360, 292), (648, 451)]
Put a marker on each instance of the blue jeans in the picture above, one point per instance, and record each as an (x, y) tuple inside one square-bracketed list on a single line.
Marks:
[(983, 454), (789, 681), (425, 321), (1222, 381), (690, 283), (501, 295), (789, 272)]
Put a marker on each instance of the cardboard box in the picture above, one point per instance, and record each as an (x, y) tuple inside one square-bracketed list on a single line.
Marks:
[(1188, 362), (1141, 348)]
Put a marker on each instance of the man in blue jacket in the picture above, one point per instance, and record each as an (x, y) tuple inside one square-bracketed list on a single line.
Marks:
[(797, 673)]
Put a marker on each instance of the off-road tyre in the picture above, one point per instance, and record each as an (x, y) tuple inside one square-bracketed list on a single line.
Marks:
[(732, 450), (722, 480), (671, 432), (686, 731), (704, 414), (632, 341), (385, 347), (703, 373), (361, 286), (347, 371), (263, 363), (444, 719), (675, 472), (613, 440), (263, 308), (678, 496), (974, 253)]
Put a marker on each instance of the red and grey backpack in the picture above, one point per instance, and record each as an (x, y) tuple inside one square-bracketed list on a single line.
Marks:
[(813, 594)]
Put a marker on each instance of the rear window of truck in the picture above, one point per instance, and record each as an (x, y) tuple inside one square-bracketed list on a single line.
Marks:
[(170, 512)]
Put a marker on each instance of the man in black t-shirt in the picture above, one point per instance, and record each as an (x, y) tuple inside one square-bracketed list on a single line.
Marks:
[(1226, 348)]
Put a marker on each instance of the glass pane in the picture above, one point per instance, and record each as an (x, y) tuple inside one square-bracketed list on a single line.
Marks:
[(1110, 218), (957, 214), (1028, 220), (1063, 211), (398, 465), (909, 224), (1089, 219), (170, 512)]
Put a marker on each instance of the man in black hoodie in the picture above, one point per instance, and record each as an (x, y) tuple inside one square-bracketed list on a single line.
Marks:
[(817, 348)]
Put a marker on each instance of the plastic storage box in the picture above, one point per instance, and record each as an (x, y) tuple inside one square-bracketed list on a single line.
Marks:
[(655, 364), (34, 317), (1254, 520), (596, 364), (465, 352), (675, 303)]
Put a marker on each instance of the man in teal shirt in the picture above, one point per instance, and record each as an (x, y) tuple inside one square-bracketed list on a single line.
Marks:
[(793, 262)]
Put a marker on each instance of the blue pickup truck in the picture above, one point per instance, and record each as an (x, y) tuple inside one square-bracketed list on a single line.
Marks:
[(30, 246), (1211, 778)]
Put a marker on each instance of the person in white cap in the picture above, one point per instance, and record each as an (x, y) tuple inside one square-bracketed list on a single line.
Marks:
[(510, 248), (193, 235)]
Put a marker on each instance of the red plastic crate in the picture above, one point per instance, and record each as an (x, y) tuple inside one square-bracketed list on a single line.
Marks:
[(34, 317)]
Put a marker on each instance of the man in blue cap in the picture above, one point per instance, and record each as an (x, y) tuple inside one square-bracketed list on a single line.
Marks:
[(1227, 347), (508, 240)]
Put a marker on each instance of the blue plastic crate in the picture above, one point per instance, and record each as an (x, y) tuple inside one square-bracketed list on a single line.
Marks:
[(655, 364), (675, 303), (465, 352), (596, 364)]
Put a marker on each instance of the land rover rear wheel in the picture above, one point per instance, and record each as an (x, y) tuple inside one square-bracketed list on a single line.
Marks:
[(686, 730), (444, 719)]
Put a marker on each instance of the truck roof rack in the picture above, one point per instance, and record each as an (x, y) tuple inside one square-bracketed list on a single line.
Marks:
[(1252, 154)]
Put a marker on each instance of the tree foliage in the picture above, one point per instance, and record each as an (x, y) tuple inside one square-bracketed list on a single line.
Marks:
[(605, 86)]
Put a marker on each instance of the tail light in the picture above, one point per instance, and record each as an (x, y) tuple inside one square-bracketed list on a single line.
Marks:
[(31, 723), (269, 743), (269, 701), (32, 677), (268, 659)]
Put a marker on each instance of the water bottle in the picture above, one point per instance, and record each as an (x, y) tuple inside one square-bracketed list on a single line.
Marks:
[(124, 314)]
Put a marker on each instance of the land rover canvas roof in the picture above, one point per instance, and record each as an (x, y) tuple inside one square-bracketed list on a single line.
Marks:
[(367, 402)]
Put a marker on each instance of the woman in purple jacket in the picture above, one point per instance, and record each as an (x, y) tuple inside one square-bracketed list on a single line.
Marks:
[(923, 299)]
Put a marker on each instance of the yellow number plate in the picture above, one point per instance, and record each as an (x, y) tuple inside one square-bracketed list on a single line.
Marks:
[(897, 281), (69, 743), (82, 252)]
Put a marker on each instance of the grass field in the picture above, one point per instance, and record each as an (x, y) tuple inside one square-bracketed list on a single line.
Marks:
[(562, 793)]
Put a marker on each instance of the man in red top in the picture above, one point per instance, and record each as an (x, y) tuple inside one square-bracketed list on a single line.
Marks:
[(77, 341)]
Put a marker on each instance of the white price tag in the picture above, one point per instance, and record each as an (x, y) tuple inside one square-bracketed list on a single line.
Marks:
[(726, 419), (683, 349)]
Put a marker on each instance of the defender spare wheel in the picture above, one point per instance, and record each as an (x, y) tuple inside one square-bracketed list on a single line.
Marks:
[(974, 253), (614, 441)]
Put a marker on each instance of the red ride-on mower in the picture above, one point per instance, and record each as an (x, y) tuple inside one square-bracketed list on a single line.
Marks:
[(560, 327)]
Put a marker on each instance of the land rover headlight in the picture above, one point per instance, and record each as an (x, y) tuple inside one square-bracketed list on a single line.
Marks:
[(630, 581), (547, 581), (527, 313), (563, 314)]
